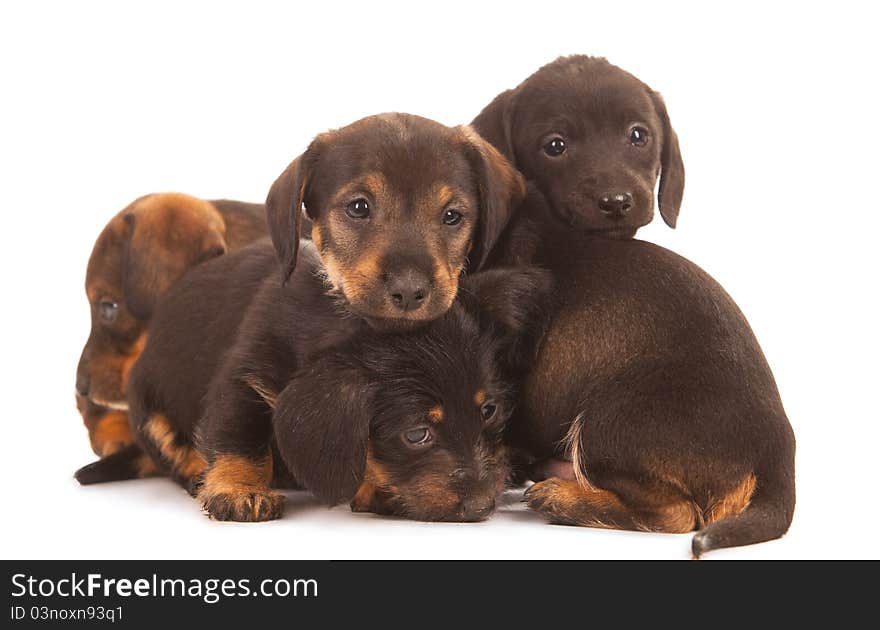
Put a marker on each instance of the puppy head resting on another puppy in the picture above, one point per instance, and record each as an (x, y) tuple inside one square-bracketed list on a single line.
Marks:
[(593, 138), (141, 252), (411, 424), (401, 206)]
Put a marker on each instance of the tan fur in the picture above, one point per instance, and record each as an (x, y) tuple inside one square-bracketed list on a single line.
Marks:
[(184, 460), (435, 414), (110, 433), (734, 502)]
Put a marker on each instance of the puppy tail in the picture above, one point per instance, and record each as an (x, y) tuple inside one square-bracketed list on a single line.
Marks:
[(767, 517), (128, 463)]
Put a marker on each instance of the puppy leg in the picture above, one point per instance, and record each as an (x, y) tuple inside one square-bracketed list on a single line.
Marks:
[(236, 488), (236, 433), (568, 502), (184, 463)]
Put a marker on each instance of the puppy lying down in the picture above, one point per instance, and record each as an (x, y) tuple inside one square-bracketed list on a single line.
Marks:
[(405, 423)]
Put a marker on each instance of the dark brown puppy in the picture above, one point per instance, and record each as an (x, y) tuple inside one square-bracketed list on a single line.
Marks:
[(408, 424), (141, 252), (593, 139), (651, 385), (398, 204)]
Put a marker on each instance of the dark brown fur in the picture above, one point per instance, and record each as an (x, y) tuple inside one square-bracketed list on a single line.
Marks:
[(411, 171), (651, 384), (141, 252), (593, 107)]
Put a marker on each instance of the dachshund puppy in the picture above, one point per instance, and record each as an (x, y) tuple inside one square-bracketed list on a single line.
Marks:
[(593, 139), (399, 206), (141, 252), (408, 424), (650, 405), (411, 424)]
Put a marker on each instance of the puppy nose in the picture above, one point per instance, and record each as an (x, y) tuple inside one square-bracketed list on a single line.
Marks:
[(82, 384), (408, 290), (477, 508), (615, 205)]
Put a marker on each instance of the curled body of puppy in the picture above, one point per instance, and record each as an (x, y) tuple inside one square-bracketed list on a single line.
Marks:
[(141, 252), (650, 405), (410, 424), (593, 139), (401, 206)]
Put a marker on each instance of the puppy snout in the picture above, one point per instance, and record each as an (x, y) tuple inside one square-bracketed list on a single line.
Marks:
[(408, 290), (477, 508), (616, 205)]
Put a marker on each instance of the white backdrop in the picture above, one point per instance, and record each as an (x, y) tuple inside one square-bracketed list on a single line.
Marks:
[(775, 107)]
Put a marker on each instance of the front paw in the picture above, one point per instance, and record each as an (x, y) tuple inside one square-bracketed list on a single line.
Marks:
[(248, 506), (557, 499), (369, 498)]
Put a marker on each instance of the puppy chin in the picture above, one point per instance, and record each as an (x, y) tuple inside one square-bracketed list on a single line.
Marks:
[(385, 317)]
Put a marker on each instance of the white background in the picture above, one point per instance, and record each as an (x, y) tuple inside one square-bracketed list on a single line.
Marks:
[(776, 107)]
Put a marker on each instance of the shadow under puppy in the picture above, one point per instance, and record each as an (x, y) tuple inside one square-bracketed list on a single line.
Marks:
[(593, 139), (140, 253), (650, 405), (398, 205)]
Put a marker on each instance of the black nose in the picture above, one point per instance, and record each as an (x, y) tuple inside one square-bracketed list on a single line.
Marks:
[(615, 205), (82, 384), (408, 290), (477, 508)]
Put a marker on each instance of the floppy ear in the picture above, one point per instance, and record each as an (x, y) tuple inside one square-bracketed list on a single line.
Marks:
[(502, 188), (671, 167), (322, 425), (284, 212), (161, 247), (515, 303), (494, 124)]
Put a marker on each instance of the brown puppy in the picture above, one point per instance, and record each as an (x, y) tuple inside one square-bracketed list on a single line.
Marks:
[(651, 387), (400, 205), (593, 139), (141, 252)]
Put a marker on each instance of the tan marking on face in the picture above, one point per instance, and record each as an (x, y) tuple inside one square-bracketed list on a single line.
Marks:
[(110, 433), (436, 414), (480, 397), (429, 496), (376, 473), (317, 238), (733, 502), (183, 459), (363, 499), (136, 349)]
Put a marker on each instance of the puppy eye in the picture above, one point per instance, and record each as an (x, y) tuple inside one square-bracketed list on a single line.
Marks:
[(108, 310), (358, 209), (487, 410), (555, 147), (638, 136), (452, 217), (418, 437)]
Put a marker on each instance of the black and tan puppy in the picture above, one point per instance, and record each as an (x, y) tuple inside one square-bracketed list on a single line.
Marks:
[(400, 205), (650, 405), (408, 424), (141, 252), (411, 423), (593, 139)]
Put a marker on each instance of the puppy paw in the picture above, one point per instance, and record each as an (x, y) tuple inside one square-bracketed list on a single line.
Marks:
[(559, 500), (245, 506), (369, 498)]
